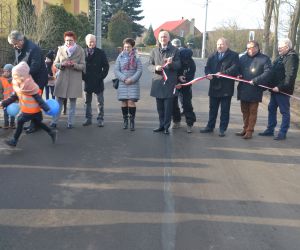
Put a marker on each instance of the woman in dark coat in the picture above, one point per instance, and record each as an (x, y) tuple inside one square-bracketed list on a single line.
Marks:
[(97, 67)]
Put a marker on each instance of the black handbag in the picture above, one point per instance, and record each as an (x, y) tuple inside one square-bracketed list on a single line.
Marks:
[(115, 83)]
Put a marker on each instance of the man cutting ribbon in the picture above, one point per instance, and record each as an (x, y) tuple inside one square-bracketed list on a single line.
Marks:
[(164, 63)]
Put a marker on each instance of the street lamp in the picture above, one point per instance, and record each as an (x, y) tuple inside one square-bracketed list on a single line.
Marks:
[(98, 23), (204, 32)]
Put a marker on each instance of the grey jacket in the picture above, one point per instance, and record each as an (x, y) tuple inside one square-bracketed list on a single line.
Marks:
[(159, 88), (128, 91)]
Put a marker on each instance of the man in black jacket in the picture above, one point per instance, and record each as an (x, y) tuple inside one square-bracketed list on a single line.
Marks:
[(29, 52), (223, 61), (256, 68), (284, 73), (97, 67), (164, 62)]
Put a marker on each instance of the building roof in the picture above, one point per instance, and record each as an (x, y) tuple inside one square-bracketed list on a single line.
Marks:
[(169, 26)]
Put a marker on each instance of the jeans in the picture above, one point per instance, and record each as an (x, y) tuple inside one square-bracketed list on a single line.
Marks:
[(88, 106), (164, 109), (283, 102), (71, 114), (214, 103)]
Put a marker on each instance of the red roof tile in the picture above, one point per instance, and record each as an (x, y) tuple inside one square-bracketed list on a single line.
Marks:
[(169, 26)]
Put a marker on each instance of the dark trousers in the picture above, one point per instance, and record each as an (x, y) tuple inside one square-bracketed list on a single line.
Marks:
[(190, 117), (249, 110), (88, 105), (37, 118), (214, 103), (48, 90), (283, 102), (164, 109)]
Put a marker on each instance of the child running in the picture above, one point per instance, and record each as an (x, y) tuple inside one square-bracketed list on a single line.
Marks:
[(27, 92)]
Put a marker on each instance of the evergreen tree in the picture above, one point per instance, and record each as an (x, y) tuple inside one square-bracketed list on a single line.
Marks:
[(130, 7), (26, 19), (54, 21), (119, 28), (150, 38)]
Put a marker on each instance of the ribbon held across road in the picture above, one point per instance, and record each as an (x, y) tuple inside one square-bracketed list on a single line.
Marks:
[(236, 79)]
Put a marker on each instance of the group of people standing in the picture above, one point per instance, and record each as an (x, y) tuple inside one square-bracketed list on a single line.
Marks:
[(261, 74), (71, 65), (171, 66), (253, 67)]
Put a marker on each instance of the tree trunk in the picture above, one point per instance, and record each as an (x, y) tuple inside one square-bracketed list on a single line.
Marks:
[(294, 23), (267, 23), (277, 4)]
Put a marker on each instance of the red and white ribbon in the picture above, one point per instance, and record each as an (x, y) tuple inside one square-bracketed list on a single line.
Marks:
[(164, 73), (232, 78)]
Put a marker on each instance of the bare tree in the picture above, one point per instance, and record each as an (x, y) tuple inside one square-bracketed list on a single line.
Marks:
[(277, 4), (269, 6), (7, 11), (294, 23), (44, 26)]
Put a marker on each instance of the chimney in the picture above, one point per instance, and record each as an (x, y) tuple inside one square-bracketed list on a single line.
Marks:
[(192, 27)]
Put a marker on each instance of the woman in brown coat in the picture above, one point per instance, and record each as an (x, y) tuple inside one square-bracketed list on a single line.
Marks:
[(70, 60)]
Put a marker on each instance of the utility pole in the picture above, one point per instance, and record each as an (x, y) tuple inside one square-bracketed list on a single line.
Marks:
[(98, 23), (204, 32)]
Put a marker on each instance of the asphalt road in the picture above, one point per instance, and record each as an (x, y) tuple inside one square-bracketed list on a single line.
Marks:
[(111, 189)]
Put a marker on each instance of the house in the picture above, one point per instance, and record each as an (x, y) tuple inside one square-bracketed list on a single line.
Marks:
[(181, 28), (74, 7)]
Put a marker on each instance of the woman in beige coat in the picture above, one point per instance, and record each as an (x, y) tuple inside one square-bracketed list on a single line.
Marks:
[(70, 61)]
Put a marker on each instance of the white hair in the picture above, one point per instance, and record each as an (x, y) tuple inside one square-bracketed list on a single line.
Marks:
[(14, 36), (89, 36), (285, 42)]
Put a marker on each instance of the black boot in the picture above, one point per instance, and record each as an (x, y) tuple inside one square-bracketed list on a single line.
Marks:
[(125, 117), (132, 111)]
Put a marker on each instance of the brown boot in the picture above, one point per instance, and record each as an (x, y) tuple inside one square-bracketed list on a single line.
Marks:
[(248, 135), (241, 133)]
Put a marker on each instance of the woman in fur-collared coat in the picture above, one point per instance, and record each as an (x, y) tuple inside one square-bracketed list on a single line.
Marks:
[(70, 60)]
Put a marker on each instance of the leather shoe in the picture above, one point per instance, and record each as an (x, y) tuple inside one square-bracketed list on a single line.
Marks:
[(158, 129), (166, 131), (222, 133), (87, 123), (248, 135), (280, 137), (241, 133), (206, 130), (266, 133)]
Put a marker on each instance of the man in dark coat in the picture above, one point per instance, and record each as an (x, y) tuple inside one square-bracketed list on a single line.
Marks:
[(223, 61), (284, 73), (256, 68), (29, 52), (97, 67), (164, 63)]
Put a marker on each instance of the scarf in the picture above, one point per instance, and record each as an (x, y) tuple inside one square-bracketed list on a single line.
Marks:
[(26, 87), (70, 50), (90, 51), (131, 63)]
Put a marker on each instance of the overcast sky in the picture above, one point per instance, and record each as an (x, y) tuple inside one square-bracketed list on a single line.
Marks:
[(247, 13)]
